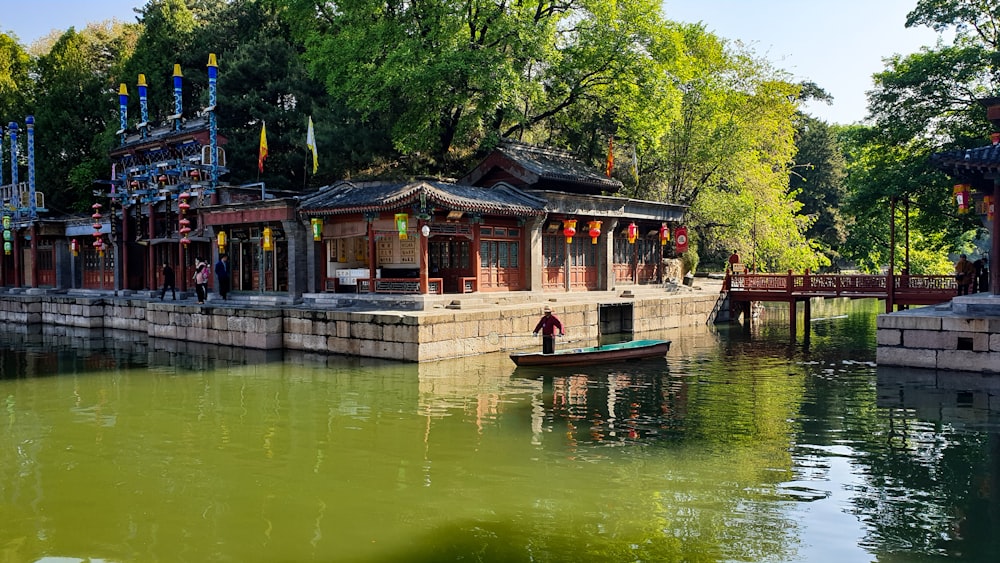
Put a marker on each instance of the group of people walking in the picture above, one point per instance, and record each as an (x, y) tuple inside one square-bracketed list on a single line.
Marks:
[(972, 277), (200, 278)]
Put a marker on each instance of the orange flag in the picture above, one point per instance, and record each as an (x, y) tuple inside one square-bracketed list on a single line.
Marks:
[(262, 154), (611, 156)]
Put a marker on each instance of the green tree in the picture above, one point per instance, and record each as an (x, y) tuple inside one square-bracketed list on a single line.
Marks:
[(924, 103), (445, 78), (74, 97), (818, 179), (15, 80)]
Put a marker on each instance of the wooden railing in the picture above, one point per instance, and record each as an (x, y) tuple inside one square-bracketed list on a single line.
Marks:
[(906, 289), (400, 285)]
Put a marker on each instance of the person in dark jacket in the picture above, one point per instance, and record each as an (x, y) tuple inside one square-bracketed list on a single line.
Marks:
[(222, 274), (168, 281), (548, 325)]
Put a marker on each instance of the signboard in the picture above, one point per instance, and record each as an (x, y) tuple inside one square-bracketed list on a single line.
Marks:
[(681, 239)]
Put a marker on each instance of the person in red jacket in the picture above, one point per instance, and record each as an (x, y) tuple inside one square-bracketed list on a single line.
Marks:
[(548, 325)]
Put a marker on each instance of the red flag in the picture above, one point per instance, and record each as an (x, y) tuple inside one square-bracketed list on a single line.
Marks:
[(611, 156), (262, 153)]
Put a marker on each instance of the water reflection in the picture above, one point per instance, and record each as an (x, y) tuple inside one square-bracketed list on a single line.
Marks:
[(740, 446)]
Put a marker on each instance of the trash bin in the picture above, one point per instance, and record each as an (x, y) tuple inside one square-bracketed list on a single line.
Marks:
[(689, 279)]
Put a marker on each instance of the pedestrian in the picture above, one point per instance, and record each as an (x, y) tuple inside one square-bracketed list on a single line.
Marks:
[(201, 280), (222, 274), (984, 276), (548, 325), (964, 274), (734, 259), (168, 281)]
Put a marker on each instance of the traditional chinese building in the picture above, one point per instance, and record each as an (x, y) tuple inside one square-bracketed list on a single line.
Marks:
[(977, 172), (527, 218)]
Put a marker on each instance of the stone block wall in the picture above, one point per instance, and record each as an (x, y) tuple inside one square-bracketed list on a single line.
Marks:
[(414, 336), (922, 339), (21, 310)]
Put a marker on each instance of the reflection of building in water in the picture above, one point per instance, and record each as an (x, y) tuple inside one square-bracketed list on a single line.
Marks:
[(614, 406), (965, 403)]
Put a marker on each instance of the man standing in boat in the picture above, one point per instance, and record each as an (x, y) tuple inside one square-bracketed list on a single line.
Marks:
[(548, 325)]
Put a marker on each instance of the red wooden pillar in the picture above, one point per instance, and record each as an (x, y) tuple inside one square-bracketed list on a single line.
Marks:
[(423, 257), (476, 265), (151, 265), (17, 259), (34, 255), (122, 245), (995, 244), (372, 255)]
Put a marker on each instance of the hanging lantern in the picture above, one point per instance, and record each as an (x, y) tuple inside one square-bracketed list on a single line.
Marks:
[(220, 239), (633, 233), (569, 229), (401, 219), (163, 178), (182, 204), (266, 239), (989, 205), (195, 174), (962, 197), (664, 234), (99, 246), (97, 224), (594, 231), (7, 248), (74, 247), (681, 239), (317, 227), (995, 138), (6, 222), (6, 235)]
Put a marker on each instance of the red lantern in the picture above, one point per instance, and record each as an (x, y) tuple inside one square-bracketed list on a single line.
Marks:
[(633, 233), (989, 205), (962, 197), (664, 234), (595, 231), (569, 229), (995, 138), (75, 247)]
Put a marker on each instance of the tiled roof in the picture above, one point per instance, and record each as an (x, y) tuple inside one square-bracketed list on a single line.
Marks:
[(347, 197), (555, 164), (969, 164)]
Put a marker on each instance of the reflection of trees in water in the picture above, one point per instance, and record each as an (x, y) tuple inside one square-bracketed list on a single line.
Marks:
[(716, 441)]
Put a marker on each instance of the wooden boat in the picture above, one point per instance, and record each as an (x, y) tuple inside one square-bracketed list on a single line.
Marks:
[(622, 351)]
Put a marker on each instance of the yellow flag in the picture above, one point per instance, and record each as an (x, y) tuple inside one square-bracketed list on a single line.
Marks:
[(311, 143), (262, 154)]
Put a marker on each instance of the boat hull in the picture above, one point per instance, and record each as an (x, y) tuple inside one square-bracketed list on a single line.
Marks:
[(623, 351)]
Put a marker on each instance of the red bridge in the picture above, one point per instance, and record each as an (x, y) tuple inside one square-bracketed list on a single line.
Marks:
[(898, 290)]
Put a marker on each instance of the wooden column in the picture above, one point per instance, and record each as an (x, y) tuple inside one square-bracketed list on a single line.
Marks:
[(995, 243)]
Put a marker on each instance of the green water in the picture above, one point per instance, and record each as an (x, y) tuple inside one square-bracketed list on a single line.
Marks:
[(740, 446)]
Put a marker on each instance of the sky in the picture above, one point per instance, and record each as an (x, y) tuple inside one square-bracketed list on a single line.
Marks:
[(838, 44)]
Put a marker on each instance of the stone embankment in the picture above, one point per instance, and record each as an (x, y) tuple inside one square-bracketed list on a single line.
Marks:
[(962, 335), (449, 328)]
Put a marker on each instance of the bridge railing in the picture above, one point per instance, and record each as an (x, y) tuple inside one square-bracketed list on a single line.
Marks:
[(834, 285)]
